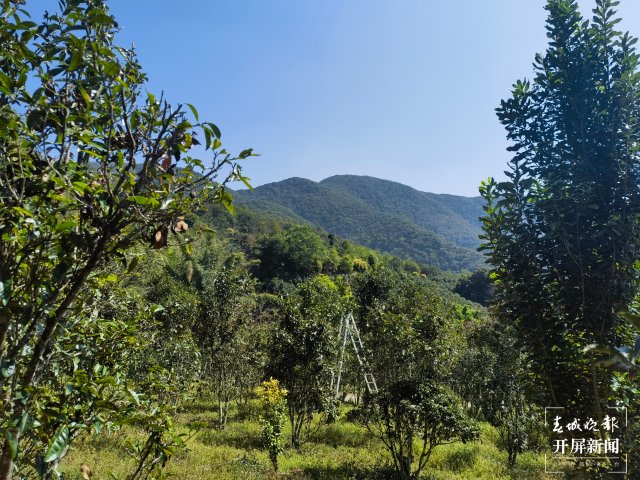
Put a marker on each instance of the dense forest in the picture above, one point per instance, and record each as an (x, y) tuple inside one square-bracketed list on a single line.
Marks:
[(440, 230), (158, 322)]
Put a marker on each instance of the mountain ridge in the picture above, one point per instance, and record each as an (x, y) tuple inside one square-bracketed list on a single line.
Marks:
[(437, 229)]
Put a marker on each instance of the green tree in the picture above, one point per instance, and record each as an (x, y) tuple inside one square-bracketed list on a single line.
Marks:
[(412, 416), (303, 348), (403, 326), (562, 233), (492, 376), (475, 287), (410, 353), (223, 327), (298, 253), (91, 166), (171, 356)]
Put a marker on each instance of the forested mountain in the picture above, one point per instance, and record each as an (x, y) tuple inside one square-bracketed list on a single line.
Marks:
[(440, 230), (453, 217)]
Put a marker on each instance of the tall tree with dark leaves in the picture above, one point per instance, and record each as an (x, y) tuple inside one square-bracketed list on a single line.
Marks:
[(562, 232)]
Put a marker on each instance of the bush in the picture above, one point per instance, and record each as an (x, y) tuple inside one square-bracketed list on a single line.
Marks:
[(410, 415), (273, 400)]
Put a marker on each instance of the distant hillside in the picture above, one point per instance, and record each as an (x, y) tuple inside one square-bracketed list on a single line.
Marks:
[(433, 229), (453, 217)]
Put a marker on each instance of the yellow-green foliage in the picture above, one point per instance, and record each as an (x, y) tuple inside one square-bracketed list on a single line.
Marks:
[(273, 404), (271, 394), (359, 265)]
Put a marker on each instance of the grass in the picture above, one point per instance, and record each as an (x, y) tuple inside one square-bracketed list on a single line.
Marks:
[(342, 451)]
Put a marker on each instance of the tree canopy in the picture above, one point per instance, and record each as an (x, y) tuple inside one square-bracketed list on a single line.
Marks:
[(92, 166), (562, 233)]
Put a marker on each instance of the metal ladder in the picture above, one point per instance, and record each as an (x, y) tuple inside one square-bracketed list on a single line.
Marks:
[(349, 331)]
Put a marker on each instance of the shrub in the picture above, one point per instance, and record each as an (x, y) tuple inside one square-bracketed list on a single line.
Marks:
[(273, 403)]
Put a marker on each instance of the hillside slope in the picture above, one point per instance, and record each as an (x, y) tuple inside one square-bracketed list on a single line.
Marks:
[(431, 229), (453, 217)]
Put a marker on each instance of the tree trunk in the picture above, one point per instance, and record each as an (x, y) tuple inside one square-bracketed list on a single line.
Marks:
[(596, 395), (405, 468), (43, 348), (225, 411), (6, 463), (220, 424)]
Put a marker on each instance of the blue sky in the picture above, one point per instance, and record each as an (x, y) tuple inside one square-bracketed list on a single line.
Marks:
[(403, 90)]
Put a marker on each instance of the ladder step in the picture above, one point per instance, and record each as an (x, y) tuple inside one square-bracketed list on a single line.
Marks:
[(348, 330)]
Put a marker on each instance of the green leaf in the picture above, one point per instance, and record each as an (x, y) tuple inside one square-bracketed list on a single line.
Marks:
[(194, 111), (23, 211), (140, 200), (134, 396), (207, 136), (58, 445), (85, 96), (215, 130), (245, 180), (157, 308), (112, 69), (133, 264), (246, 153), (5, 83), (27, 422), (65, 226), (8, 371), (98, 17), (227, 201), (80, 186), (13, 444), (97, 425), (76, 59)]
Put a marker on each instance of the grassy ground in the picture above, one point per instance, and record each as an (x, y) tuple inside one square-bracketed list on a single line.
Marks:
[(342, 451)]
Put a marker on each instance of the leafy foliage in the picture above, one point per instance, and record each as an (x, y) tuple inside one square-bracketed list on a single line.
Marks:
[(562, 233), (297, 253), (224, 332), (91, 167), (475, 287), (96, 334), (403, 225), (411, 351), (303, 349), (273, 399), (410, 414), (493, 376)]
